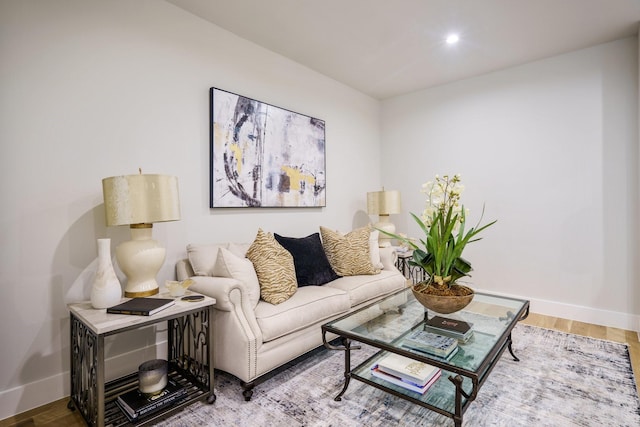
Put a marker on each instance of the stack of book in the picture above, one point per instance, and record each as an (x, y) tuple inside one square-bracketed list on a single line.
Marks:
[(136, 405), (407, 373), (458, 329), (441, 346)]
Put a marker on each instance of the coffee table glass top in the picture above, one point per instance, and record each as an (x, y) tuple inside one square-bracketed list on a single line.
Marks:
[(386, 323)]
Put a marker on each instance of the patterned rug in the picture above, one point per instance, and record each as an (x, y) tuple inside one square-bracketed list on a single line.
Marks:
[(561, 380)]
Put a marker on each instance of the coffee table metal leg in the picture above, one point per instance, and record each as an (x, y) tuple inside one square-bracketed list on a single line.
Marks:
[(509, 341), (346, 347), (347, 367), (457, 417), (460, 393)]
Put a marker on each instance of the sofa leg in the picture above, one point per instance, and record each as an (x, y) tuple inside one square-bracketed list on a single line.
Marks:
[(247, 390)]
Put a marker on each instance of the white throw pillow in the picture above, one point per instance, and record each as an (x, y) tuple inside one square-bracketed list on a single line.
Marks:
[(232, 266), (203, 258), (239, 249)]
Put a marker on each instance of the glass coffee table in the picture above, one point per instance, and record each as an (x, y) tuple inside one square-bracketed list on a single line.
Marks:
[(384, 324)]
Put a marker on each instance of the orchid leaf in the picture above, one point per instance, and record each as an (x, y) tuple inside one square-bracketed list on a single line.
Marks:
[(445, 230)]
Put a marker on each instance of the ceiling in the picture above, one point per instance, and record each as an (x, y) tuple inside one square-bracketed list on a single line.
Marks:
[(385, 48)]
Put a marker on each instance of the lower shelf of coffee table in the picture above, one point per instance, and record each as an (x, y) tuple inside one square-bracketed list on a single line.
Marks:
[(115, 417), (440, 396)]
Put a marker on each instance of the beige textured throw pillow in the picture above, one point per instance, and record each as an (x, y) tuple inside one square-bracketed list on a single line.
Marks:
[(274, 267), (349, 254)]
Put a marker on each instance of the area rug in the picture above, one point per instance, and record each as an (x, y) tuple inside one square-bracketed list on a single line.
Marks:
[(561, 380)]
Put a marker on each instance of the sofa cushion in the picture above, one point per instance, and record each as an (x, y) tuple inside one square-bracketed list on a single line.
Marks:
[(274, 267), (364, 288), (312, 265), (203, 258), (235, 267), (349, 254), (309, 305)]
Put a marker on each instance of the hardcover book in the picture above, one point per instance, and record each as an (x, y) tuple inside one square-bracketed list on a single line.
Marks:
[(431, 343), (376, 372), (459, 326), (407, 369), (135, 404), (461, 338), (435, 356), (141, 306)]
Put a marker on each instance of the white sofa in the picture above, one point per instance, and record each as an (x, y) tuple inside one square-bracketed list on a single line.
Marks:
[(252, 337)]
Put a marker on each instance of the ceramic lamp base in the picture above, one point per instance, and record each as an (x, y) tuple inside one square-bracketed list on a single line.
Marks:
[(384, 224), (140, 259)]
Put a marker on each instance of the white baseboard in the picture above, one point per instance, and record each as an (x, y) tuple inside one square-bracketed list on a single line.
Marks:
[(20, 399), (614, 319)]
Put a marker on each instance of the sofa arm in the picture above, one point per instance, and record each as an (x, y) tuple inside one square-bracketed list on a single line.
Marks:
[(219, 288), (388, 257), (231, 296), (237, 336)]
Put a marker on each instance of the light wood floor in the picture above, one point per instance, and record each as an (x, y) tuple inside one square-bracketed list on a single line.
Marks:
[(57, 414)]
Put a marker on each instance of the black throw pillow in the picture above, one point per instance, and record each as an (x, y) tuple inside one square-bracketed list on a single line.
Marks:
[(309, 259)]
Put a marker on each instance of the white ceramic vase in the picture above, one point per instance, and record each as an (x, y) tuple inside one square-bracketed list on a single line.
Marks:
[(106, 290)]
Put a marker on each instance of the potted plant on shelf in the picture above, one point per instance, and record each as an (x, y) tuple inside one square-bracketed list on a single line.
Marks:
[(439, 254)]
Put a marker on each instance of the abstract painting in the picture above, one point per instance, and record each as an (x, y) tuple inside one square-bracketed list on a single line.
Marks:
[(264, 156)]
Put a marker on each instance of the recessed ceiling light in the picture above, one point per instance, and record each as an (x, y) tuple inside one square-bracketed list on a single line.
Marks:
[(453, 39)]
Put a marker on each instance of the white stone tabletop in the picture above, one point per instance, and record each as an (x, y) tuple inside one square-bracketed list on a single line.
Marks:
[(101, 322)]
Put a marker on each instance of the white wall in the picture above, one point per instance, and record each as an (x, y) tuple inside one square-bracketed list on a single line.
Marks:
[(96, 89), (551, 148)]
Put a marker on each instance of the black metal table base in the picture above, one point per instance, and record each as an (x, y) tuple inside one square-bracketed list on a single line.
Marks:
[(190, 337)]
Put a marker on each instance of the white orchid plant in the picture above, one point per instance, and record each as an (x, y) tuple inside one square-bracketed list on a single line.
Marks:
[(443, 222)]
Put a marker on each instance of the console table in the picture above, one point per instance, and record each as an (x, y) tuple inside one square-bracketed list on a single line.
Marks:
[(415, 274), (190, 356)]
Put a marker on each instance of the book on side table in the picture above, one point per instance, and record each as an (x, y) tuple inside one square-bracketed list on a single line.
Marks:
[(141, 306), (136, 405)]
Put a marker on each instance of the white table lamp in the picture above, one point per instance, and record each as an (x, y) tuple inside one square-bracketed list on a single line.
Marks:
[(384, 203), (139, 201)]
